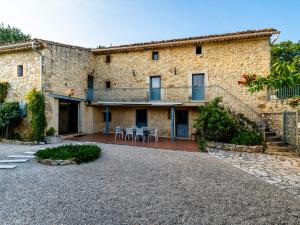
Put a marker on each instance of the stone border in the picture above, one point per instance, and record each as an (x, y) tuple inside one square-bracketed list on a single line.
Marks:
[(6, 141), (56, 162), (236, 148)]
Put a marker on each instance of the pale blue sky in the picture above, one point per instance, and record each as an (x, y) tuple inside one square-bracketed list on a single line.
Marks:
[(104, 22)]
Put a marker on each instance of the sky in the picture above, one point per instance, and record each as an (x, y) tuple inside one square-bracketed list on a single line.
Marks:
[(90, 23)]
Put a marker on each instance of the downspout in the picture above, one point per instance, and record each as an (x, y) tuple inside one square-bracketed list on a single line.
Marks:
[(34, 48)]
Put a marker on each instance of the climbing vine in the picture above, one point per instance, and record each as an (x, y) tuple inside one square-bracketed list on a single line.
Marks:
[(4, 86), (36, 105)]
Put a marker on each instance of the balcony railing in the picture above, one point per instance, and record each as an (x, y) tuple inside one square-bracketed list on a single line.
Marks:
[(284, 93), (170, 94)]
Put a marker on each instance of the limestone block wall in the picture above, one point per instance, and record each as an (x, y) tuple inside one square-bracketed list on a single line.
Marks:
[(19, 86), (222, 63)]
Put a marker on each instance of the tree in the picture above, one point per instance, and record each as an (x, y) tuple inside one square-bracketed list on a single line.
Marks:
[(285, 71), (10, 34), (10, 115)]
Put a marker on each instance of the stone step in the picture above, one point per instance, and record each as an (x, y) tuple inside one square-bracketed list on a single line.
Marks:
[(280, 148), (289, 154), (21, 156), (13, 160), (9, 166), (273, 138), (270, 133), (276, 143)]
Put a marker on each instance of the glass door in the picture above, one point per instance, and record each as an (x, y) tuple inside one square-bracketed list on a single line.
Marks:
[(155, 88)]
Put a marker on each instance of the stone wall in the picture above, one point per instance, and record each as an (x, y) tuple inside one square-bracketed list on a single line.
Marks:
[(237, 148), (223, 64), (274, 121)]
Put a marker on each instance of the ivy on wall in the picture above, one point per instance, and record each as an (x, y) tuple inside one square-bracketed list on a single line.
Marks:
[(4, 86), (36, 105)]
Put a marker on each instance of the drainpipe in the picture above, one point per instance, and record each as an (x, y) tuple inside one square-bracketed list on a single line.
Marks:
[(34, 48)]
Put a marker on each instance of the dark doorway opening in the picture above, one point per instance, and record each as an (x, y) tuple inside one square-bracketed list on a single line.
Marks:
[(141, 118), (68, 116), (181, 123)]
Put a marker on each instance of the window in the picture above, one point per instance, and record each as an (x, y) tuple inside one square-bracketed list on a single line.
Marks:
[(20, 70), (199, 50), (155, 55), (104, 116), (107, 59), (107, 84)]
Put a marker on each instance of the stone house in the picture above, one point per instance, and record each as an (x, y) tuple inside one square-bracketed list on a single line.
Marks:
[(154, 84)]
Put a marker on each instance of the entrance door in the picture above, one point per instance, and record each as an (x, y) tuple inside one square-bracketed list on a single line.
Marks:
[(155, 88), (68, 117), (141, 118), (198, 86), (181, 123)]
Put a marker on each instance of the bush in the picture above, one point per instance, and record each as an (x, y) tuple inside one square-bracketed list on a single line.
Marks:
[(4, 86), (247, 137), (36, 105), (10, 116), (79, 153), (214, 122), (201, 142), (50, 132)]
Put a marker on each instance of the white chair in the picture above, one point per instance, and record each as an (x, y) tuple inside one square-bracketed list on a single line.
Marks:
[(139, 133), (118, 132), (129, 132), (153, 133)]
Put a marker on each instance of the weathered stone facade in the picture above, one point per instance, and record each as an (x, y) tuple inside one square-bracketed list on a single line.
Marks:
[(67, 67)]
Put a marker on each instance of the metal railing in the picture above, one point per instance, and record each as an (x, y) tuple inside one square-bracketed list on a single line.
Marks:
[(176, 95), (284, 93)]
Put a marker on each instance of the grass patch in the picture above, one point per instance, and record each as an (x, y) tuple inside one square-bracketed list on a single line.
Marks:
[(79, 153)]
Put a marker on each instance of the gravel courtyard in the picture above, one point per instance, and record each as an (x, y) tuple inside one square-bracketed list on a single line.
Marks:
[(136, 185)]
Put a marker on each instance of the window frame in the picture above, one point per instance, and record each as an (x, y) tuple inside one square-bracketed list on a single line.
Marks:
[(153, 54), (106, 84), (20, 68), (108, 59), (196, 49)]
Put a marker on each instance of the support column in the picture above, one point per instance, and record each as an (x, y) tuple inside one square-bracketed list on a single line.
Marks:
[(106, 121), (172, 123)]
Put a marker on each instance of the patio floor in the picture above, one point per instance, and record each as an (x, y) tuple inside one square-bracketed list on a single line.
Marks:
[(163, 143)]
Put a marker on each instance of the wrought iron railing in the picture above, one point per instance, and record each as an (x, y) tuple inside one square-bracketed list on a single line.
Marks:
[(284, 93)]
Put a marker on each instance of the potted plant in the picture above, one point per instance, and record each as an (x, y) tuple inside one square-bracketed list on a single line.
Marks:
[(52, 137)]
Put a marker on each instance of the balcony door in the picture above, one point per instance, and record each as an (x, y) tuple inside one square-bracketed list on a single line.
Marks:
[(155, 88), (90, 88), (198, 87)]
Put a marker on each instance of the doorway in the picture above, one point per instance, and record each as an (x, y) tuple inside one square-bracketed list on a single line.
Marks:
[(141, 118), (181, 123), (198, 87), (68, 117)]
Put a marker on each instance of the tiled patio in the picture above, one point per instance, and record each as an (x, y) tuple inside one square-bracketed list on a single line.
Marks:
[(163, 143)]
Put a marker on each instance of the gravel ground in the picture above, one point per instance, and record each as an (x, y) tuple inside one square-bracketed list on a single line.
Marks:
[(135, 185)]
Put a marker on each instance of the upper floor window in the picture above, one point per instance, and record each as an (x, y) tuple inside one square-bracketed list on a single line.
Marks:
[(107, 59), (155, 55), (20, 70), (199, 50), (107, 84)]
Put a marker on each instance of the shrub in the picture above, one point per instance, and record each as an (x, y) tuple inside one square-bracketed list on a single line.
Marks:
[(79, 153), (10, 116), (4, 86), (50, 132), (36, 105), (247, 137), (214, 122), (201, 142)]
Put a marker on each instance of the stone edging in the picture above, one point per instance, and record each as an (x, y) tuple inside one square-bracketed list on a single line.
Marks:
[(236, 148), (6, 141), (57, 162)]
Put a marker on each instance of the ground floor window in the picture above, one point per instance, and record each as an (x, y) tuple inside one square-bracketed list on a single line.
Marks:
[(104, 116)]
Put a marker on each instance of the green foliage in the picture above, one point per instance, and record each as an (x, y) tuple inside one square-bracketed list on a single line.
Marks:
[(36, 105), (214, 122), (50, 132), (10, 34), (247, 137), (4, 86), (201, 142), (10, 116), (285, 71), (80, 153)]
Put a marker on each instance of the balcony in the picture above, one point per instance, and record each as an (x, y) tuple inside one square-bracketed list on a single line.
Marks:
[(142, 95)]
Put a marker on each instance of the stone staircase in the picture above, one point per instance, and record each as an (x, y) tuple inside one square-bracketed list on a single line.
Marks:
[(275, 145)]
